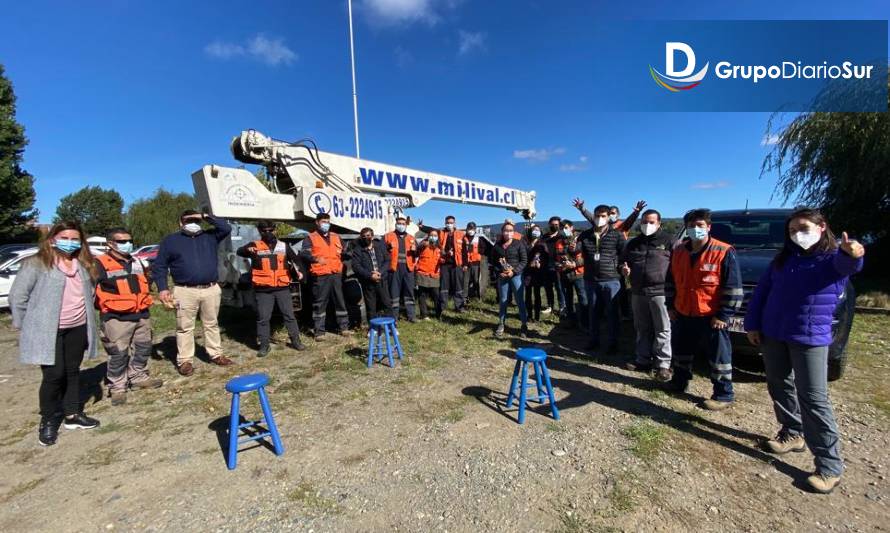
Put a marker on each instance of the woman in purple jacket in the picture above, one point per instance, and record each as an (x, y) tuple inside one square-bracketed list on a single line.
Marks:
[(789, 318)]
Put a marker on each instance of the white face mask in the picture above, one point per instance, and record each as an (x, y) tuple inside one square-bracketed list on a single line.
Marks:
[(192, 228), (600, 221), (613, 218), (449, 226), (648, 229), (471, 232), (806, 239)]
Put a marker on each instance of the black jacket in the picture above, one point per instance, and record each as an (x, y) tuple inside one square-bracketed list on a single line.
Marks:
[(516, 255), (361, 261), (649, 259), (611, 246)]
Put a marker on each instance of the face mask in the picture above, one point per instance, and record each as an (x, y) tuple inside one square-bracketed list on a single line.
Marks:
[(401, 228), (449, 226), (324, 227), (648, 229), (613, 218), (567, 232), (433, 240), (806, 239), (471, 232), (697, 234), (600, 221), (267, 236), (68, 246), (554, 229), (192, 228), (536, 233), (124, 247), (365, 241)]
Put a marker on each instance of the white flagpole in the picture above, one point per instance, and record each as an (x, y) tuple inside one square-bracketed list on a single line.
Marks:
[(354, 93)]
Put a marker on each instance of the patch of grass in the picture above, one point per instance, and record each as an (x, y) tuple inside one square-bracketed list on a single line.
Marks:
[(110, 427), (555, 427), (312, 500), (620, 497), (571, 522), (102, 456), (450, 410), (16, 435), (21, 488), (646, 439), (868, 354)]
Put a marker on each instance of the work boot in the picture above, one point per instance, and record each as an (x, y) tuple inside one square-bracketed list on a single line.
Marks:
[(823, 483), (346, 332), (499, 332), (222, 360), (263, 351), (523, 332), (297, 345), (48, 432), (185, 369), (148, 383), (80, 421), (118, 397), (638, 367), (663, 375), (677, 387), (785, 442), (412, 320), (320, 336), (546, 311), (715, 405)]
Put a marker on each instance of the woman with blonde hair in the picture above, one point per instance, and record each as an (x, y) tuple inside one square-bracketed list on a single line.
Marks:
[(52, 305)]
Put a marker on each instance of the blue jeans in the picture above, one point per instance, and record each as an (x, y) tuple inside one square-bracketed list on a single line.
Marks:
[(513, 286), (575, 311), (797, 380), (691, 334), (602, 298)]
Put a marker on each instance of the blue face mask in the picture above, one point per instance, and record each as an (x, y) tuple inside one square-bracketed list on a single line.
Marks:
[(401, 228), (536, 234), (324, 227), (68, 246), (697, 234), (434, 240), (125, 248), (567, 232)]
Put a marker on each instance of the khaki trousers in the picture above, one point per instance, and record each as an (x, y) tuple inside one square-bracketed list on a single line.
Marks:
[(191, 301), (128, 344)]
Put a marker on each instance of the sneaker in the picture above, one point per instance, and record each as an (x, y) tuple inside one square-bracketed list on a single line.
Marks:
[(48, 432), (715, 405), (80, 421), (222, 360), (346, 333), (823, 483), (546, 310), (499, 332), (118, 397), (320, 336), (185, 369), (638, 367), (663, 375), (523, 332), (148, 383), (427, 318), (785, 442), (263, 351), (298, 346)]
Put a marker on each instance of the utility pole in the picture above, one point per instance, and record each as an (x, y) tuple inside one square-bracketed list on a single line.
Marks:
[(354, 92)]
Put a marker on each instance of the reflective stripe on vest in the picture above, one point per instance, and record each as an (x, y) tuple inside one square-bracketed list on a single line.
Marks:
[(122, 291), (392, 242), (698, 285), (330, 252), (268, 268), (428, 261)]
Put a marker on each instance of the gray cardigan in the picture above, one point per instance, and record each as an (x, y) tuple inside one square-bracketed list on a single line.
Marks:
[(35, 300)]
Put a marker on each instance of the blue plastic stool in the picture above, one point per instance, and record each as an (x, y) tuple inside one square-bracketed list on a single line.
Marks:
[(383, 332), (237, 385), (536, 357)]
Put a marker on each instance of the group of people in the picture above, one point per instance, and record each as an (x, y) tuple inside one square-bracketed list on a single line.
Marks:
[(683, 294)]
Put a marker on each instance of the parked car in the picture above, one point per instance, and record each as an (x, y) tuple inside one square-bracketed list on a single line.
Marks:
[(10, 263), (147, 253), (757, 235)]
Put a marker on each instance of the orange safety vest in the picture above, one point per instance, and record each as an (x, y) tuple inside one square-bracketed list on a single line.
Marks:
[(122, 291), (562, 251), (458, 244), (392, 243), (269, 267), (473, 255), (698, 285), (329, 251), (428, 261)]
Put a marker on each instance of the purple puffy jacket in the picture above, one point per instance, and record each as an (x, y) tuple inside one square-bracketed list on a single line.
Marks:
[(796, 302)]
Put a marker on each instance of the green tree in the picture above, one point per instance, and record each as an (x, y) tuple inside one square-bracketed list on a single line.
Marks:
[(97, 209), (839, 162), (151, 219), (16, 185)]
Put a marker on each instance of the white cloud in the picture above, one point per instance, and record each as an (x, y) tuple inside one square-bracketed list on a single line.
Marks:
[(722, 184), (470, 42), (769, 140), (270, 51), (398, 12), (575, 167), (538, 154)]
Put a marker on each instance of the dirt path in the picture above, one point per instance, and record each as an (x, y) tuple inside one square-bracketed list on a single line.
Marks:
[(427, 447)]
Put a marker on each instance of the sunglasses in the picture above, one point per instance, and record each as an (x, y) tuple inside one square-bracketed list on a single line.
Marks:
[(123, 241)]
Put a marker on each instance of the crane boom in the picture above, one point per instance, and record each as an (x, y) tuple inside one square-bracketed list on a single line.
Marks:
[(356, 192)]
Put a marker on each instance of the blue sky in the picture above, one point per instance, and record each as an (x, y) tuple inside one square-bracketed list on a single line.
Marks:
[(136, 95)]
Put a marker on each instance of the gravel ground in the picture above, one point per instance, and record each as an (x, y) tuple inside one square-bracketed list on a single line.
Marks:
[(428, 446)]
